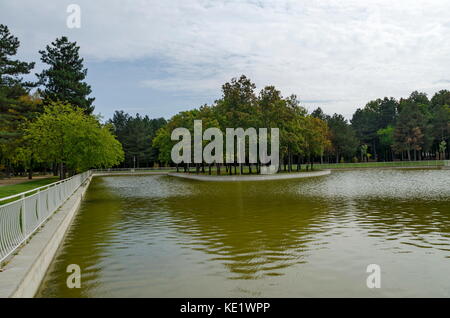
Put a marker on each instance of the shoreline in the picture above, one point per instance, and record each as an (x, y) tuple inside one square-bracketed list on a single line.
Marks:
[(238, 178)]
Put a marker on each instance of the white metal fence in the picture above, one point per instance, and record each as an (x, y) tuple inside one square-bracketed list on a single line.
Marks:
[(27, 211)]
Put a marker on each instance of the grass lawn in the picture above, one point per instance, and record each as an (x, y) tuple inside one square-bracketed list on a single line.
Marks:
[(7, 190)]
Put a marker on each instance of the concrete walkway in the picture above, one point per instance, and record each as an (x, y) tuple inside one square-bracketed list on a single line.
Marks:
[(22, 276)]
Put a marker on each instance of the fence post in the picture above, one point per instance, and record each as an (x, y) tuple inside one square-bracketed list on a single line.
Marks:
[(24, 223), (38, 209)]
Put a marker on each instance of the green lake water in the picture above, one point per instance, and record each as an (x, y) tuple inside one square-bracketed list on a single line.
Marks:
[(159, 236)]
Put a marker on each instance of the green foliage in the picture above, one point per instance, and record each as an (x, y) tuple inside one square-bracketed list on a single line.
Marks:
[(376, 115), (386, 139), (364, 152), (440, 120), (16, 105), (411, 124), (63, 80), (11, 70), (66, 135), (300, 135), (343, 137), (442, 148), (316, 136), (136, 135)]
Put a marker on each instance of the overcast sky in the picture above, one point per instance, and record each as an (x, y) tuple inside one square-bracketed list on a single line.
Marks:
[(162, 57)]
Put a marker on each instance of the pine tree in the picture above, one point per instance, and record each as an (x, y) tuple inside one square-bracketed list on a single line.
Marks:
[(63, 80), (15, 105), (409, 132), (11, 70)]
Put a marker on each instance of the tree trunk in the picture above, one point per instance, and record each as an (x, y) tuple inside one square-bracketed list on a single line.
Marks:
[(290, 161), (30, 169), (61, 171)]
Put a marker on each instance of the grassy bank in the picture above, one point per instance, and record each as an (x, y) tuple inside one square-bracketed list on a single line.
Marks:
[(8, 190)]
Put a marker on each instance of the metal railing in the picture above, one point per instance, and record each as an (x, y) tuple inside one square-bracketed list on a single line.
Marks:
[(27, 211)]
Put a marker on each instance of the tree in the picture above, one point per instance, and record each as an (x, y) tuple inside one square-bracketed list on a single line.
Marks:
[(364, 152), (63, 80), (15, 104), (376, 115), (442, 148), (136, 135), (343, 137), (11, 70), (292, 124), (274, 111), (318, 113), (76, 141), (237, 106), (440, 119), (316, 137), (409, 132), (386, 137)]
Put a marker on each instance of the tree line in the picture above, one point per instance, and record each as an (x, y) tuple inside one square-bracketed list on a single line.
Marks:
[(54, 128), (303, 137), (386, 129)]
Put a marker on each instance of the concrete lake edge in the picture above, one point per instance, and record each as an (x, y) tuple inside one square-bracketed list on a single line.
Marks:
[(23, 274), (238, 178)]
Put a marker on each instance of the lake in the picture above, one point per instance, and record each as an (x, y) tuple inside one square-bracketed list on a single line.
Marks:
[(160, 236)]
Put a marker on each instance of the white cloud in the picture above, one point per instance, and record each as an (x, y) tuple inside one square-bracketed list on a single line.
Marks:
[(343, 52)]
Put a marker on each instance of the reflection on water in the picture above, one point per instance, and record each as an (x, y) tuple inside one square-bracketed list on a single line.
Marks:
[(157, 236)]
